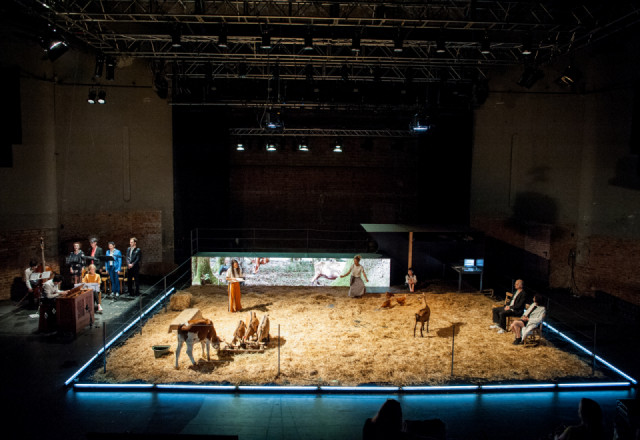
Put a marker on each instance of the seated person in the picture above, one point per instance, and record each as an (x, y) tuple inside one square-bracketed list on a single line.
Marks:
[(530, 320), (590, 426), (94, 278), (411, 280), (514, 308)]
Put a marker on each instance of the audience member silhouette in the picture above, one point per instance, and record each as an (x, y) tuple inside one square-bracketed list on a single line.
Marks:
[(590, 427), (389, 424)]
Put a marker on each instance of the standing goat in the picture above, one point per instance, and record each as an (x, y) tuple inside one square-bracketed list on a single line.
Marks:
[(422, 316)]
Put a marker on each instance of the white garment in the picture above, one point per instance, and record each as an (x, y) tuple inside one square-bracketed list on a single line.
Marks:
[(411, 278), (357, 271), (51, 290)]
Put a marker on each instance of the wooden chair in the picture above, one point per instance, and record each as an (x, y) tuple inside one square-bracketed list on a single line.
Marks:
[(534, 336), (510, 319)]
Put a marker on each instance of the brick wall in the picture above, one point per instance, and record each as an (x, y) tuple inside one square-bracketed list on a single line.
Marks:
[(604, 264), (118, 227)]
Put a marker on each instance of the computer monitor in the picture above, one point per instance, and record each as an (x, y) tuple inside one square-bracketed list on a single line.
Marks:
[(480, 262), (469, 262)]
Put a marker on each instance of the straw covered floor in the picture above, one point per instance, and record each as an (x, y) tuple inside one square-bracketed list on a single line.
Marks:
[(327, 338)]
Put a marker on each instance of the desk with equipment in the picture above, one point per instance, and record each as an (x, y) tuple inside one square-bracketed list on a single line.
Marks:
[(470, 267)]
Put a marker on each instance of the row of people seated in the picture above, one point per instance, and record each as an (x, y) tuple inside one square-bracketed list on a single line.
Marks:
[(388, 423)]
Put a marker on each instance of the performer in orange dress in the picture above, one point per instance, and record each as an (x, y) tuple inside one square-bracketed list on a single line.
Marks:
[(234, 277)]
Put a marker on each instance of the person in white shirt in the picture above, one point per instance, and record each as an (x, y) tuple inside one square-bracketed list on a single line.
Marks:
[(50, 291), (357, 288), (411, 280)]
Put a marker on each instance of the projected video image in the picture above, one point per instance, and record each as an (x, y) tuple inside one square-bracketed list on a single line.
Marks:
[(277, 271)]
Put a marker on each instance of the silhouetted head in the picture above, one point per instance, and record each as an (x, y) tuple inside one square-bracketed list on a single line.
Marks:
[(389, 417)]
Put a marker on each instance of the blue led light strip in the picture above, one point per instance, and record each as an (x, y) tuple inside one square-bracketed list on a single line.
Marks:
[(590, 353), (115, 338)]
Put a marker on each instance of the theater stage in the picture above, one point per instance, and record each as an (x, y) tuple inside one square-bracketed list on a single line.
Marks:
[(319, 336)]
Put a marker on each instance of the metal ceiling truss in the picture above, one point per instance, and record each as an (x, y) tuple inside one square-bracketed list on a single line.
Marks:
[(321, 132), (397, 41)]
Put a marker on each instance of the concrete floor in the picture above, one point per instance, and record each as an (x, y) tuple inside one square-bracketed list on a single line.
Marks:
[(40, 407)]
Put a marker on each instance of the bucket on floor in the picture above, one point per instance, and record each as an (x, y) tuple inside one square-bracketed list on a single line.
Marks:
[(160, 350)]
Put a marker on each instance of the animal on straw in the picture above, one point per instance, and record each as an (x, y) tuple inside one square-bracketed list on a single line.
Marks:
[(196, 330), (422, 316), (263, 330), (387, 301), (238, 335), (252, 326)]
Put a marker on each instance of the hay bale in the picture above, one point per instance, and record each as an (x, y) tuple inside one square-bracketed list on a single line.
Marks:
[(180, 301)]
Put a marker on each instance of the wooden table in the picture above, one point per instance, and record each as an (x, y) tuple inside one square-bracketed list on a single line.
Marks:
[(75, 310)]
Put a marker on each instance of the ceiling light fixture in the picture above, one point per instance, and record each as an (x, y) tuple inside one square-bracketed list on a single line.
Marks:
[(102, 97), (223, 37), (485, 44), (266, 41), (337, 148), (271, 146), (92, 96), (356, 43)]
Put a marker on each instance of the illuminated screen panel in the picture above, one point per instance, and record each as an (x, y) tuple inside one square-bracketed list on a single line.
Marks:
[(281, 271)]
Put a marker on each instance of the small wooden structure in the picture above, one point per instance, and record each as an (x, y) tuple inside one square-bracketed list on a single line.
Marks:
[(185, 316)]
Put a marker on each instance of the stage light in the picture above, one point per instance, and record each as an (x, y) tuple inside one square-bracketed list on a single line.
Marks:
[(99, 66), (92, 97), (526, 45), (276, 72), (595, 385), (337, 148), (272, 120), (440, 44), (355, 44), (222, 37), (420, 123), (239, 146), (102, 97), (485, 44), (442, 388), (569, 77), (530, 76), (266, 41), (196, 387), (53, 44), (271, 146), (398, 42), (303, 146), (308, 40), (111, 68), (176, 38)]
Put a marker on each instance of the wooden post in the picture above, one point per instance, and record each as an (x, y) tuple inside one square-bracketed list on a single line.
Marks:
[(410, 249)]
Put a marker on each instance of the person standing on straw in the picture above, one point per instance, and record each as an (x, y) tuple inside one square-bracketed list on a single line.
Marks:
[(234, 277), (357, 288)]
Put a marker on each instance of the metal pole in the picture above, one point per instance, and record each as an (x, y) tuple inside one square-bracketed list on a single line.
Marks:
[(104, 346), (140, 320), (593, 366), (453, 338), (278, 350)]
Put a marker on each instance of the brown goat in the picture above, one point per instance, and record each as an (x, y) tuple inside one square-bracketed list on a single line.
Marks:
[(263, 330), (252, 326), (422, 316), (238, 335), (401, 300)]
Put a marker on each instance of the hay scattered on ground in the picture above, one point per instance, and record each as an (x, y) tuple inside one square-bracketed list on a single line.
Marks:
[(327, 338)]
